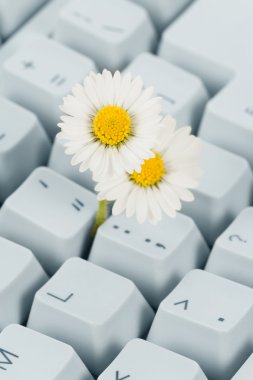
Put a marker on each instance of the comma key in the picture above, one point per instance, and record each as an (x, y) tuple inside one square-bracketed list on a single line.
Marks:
[(104, 312), (26, 354)]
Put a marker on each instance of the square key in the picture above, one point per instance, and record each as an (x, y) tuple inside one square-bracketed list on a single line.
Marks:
[(95, 311), (50, 215), (184, 95), (111, 32), (40, 74), (140, 359), (208, 319), (28, 355), (24, 145), (226, 187), (20, 277), (155, 258)]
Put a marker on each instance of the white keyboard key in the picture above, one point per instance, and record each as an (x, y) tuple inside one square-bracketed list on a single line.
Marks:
[(98, 311), (163, 12), (60, 163), (246, 371), (153, 257), (208, 319), (228, 119), (50, 215), (20, 133), (184, 95), (231, 256), (26, 354), (226, 187), (111, 32), (205, 41), (38, 76), (20, 277), (14, 13), (143, 360)]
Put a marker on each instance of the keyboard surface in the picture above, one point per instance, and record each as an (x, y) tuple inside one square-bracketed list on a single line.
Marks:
[(131, 302)]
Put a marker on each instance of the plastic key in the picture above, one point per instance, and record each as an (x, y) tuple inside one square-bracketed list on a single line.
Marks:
[(226, 188), (184, 95), (39, 74), (50, 215), (14, 13), (20, 133), (231, 256), (228, 119), (163, 12), (208, 43), (208, 319), (26, 354), (20, 277), (111, 32), (143, 360), (155, 258), (98, 311)]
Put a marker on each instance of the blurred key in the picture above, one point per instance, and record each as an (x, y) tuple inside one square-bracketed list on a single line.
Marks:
[(111, 32), (184, 95), (163, 12), (26, 354), (153, 257), (60, 163), (208, 319), (38, 76), (23, 146), (95, 311), (212, 39), (232, 254), (226, 187), (246, 371), (228, 119), (20, 277), (13, 13), (50, 215), (143, 360)]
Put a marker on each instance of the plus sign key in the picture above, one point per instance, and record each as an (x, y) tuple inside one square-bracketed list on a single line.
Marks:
[(40, 74)]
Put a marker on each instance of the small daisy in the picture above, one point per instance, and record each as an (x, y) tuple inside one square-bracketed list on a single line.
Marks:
[(110, 124), (164, 180)]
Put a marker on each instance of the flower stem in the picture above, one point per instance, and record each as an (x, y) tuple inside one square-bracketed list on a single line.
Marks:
[(101, 216)]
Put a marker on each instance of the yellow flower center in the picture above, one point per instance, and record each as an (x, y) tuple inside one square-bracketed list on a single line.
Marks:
[(112, 125), (152, 171)]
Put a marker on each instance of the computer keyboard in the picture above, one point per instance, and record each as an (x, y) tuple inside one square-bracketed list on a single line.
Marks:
[(134, 301)]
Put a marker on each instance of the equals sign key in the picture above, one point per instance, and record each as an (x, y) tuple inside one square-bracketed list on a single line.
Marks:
[(77, 204)]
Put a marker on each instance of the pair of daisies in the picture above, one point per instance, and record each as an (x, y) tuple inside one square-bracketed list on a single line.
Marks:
[(113, 127)]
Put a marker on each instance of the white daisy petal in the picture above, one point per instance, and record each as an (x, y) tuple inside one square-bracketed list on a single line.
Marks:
[(100, 131)]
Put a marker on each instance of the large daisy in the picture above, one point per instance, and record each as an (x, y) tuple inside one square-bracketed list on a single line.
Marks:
[(164, 180), (110, 124)]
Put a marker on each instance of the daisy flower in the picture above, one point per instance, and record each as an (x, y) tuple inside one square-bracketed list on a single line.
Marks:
[(164, 180), (110, 124)]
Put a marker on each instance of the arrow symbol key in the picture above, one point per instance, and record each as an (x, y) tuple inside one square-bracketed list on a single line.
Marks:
[(185, 303)]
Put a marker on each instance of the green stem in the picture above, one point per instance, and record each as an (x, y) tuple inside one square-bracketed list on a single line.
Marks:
[(101, 216)]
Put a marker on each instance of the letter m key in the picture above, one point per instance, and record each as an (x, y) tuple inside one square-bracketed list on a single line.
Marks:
[(6, 358)]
